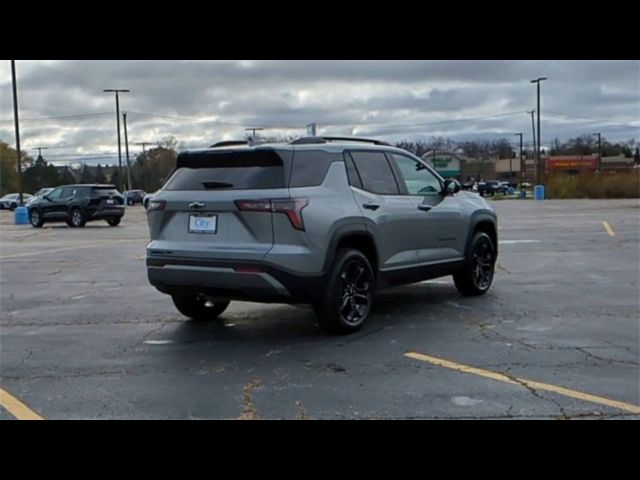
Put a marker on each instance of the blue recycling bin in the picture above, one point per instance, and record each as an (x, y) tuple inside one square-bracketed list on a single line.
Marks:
[(523, 193), (538, 192), (22, 216)]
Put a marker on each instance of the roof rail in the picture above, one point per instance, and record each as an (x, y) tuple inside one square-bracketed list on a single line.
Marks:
[(229, 143), (310, 140)]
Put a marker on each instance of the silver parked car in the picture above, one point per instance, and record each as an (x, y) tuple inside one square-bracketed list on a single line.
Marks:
[(321, 220), (11, 200)]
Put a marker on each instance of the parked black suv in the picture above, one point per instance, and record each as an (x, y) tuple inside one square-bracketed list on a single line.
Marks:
[(78, 204)]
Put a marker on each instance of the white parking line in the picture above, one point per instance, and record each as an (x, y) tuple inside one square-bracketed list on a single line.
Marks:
[(511, 242)]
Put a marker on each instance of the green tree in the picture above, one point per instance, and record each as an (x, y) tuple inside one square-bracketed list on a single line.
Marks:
[(87, 176), (115, 178), (67, 177), (100, 176), (8, 169), (40, 175)]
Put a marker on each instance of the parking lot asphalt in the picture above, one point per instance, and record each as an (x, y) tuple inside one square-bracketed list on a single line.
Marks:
[(84, 336)]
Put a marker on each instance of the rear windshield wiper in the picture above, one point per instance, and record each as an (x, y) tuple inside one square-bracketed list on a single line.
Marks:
[(211, 185)]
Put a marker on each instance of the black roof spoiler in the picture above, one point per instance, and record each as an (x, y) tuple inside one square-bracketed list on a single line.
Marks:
[(324, 139), (229, 143)]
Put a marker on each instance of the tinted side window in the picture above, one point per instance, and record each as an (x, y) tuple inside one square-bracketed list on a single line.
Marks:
[(375, 172), (418, 179), (310, 167), (55, 195), (67, 192), (352, 173)]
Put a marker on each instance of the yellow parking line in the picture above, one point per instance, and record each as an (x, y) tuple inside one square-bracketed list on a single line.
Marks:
[(587, 397), (16, 408), (40, 252), (608, 228)]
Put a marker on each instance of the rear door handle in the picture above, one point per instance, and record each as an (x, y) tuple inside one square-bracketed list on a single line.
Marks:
[(424, 208), (371, 206)]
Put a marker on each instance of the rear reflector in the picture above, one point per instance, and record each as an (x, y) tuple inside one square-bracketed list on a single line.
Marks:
[(291, 207), (248, 269), (156, 205)]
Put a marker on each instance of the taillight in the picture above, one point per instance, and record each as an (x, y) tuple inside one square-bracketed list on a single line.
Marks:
[(291, 207), (156, 205)]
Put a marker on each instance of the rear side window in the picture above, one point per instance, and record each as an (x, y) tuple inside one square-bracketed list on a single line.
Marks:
[(310, 167), (375, 173), (258, 169), (352, 173), (101, 192)]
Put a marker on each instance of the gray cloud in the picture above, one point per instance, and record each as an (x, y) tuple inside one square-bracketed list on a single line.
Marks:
[(389, 99)]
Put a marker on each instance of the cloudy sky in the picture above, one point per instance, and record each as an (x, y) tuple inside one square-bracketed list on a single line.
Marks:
[(200, 102)]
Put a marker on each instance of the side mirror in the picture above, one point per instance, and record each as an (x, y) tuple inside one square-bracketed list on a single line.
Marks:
[(46, 197), (451, 186)]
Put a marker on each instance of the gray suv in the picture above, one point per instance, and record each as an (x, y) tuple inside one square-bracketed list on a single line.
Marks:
[(321, 220)]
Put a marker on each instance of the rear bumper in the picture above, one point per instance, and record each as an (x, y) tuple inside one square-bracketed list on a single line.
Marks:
[(255, 281), (113, 212)]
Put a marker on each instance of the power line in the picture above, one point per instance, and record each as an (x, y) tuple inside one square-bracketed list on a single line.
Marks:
[(592, 119), (60, 117), (217, 122)]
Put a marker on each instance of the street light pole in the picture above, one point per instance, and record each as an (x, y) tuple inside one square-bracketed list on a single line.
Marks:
[(117, 91), (17, 126), (599, 167), (533, 130), (126, 149), (537, 82), (521, 172)]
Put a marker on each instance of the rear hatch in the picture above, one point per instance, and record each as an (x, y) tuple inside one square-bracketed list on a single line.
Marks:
[(105, 197), (198, 211)]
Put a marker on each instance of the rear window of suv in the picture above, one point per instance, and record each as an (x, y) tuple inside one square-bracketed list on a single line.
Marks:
[(310, 167), (258, 169), (101, 192)]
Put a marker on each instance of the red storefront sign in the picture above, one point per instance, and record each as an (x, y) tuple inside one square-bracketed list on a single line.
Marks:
[(576, 163)]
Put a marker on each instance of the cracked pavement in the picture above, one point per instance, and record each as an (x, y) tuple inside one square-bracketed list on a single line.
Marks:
[(83, 335)]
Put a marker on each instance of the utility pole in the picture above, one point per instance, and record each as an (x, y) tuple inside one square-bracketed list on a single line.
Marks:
[(538, 163), (253, 130), (533, 129), (599, 164), (17, 126), (126, 149), (40, 152), (144, 144), (117, 91), (311, 129), (521, 166)]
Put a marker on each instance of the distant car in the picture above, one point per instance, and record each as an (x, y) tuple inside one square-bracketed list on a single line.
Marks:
[(11, 200), (42, 191), (486, 188), (78, 204), (134, 196), (468, 185), (38, 194)]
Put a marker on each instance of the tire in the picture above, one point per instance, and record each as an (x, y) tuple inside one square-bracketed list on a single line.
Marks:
[(35, 218), (13, 206), (476, 278), (346, 303), (130, 202), (76, 218), (198, 308), (114, 222)]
